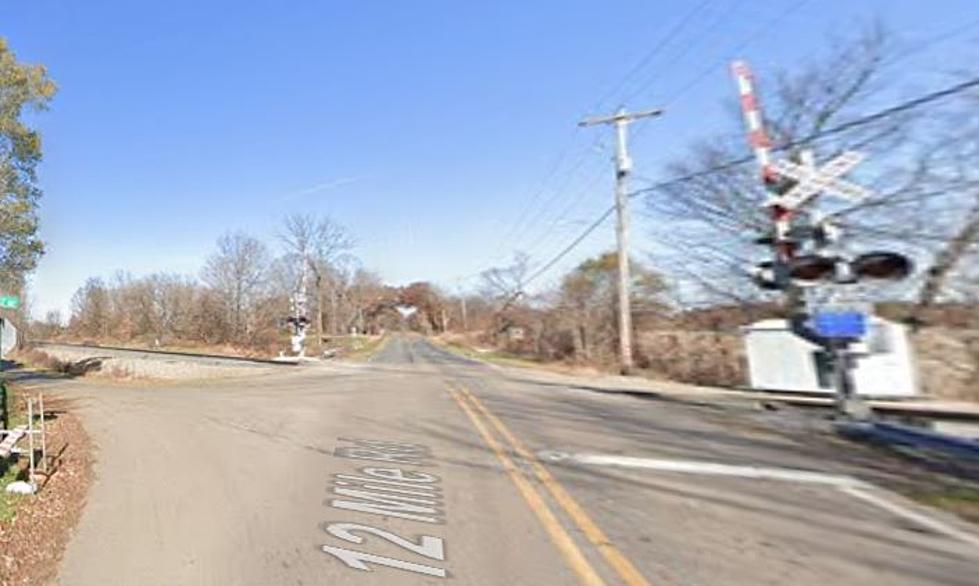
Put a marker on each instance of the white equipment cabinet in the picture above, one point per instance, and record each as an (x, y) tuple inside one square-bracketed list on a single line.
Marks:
[(780, 360), (8, 337)]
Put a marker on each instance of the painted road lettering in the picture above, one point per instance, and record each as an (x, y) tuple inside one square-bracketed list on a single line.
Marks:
[(387, 491), (428, 546), (359, 560), (383, 451)]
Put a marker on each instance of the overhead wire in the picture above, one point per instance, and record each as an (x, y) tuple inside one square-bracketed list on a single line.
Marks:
[(577, 200), (752, 37), (652, 53), (893, 110), (723, 18), (529, 216), (755, 33)]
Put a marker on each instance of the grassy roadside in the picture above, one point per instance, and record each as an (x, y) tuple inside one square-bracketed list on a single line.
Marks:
[(11, 468), (489, 355), (503, 358), (361, 348), (8, 501), (961, 501)]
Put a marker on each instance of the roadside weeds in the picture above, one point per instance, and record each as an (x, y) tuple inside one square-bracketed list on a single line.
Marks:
[(362, 348), (35, 529)]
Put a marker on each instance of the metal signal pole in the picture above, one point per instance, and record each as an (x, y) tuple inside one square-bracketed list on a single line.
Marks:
[(623, 165)]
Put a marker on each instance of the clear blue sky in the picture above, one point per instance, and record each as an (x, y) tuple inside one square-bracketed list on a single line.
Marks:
[(430, 129)]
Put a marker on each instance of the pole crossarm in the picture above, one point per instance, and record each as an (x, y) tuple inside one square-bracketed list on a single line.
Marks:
[(620, 116)]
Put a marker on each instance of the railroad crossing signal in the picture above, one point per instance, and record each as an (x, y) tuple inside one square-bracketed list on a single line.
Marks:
[(813, 180), (791, 186)]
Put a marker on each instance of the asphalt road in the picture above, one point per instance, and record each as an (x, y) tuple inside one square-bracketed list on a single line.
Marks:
[(421, 467)]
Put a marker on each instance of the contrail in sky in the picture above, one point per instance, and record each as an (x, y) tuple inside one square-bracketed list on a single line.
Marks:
[(320, 187)]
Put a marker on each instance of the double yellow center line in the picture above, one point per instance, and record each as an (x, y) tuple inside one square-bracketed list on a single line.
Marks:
[(479, 415)]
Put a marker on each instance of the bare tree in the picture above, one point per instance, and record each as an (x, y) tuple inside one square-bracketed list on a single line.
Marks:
[(237, 272), (707, 223), (90, 308), (508, 282), (506, 285), (950, 164)]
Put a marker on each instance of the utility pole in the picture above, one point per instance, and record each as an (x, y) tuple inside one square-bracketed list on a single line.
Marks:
[(623, 165)]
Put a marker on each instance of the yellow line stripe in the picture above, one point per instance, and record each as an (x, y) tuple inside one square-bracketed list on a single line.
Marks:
[(586, 573), (615, 558)]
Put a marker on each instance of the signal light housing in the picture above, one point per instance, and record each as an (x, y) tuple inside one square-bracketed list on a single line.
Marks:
[(889, 266), (770, 275), (812, 267)]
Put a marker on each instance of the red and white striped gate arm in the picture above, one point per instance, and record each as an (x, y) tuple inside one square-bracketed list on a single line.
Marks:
[(761, 144), (753, 119)]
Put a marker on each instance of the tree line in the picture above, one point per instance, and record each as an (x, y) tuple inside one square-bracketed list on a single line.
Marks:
[(242, 296)]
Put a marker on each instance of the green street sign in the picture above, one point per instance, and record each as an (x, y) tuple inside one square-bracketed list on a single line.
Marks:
[(9, 301)]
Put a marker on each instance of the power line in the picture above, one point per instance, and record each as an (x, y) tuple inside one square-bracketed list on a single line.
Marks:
[(532, 202), (529, 216), (591, 228), (849, 125), (897, 109), (677, 56), (928, 43), (549, 233), (648, 57), (752, 37)]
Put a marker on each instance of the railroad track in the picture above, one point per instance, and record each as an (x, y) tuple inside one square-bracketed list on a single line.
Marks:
[(117, 351)]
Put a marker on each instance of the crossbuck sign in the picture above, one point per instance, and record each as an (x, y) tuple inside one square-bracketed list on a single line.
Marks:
[(813, 180)]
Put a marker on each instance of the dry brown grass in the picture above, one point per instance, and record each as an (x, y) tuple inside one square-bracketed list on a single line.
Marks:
[(948, 362), (39, 359), (697, 357)]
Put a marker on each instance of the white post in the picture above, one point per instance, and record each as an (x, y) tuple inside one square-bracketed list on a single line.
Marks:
[(30, 440), (44, 441)]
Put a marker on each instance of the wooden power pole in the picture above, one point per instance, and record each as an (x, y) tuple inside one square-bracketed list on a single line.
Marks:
[(623, 165)]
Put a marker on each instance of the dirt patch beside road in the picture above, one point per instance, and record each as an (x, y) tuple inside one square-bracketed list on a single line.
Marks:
[(32, 543)]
